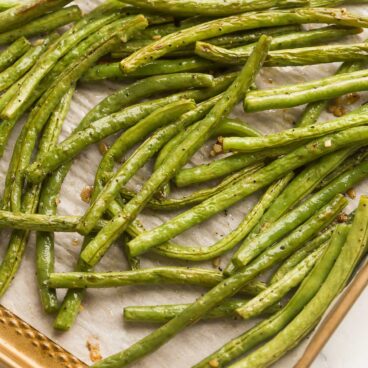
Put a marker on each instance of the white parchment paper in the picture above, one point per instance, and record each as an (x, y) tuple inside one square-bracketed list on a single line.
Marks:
[(101, 317)]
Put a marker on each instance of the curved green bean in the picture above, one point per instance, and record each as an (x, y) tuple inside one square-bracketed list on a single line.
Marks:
[(354, 246), (271, 326), (145, 276), (213, 7), (280, 288), (47, 23), (243, 188), (237, 23), (163, 313), (230, 240), (173, 204), (99, 245), (299, 94), (204, 304), (14, 52)]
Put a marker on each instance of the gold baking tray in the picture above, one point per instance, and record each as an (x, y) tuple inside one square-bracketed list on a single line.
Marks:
[(22, 346)]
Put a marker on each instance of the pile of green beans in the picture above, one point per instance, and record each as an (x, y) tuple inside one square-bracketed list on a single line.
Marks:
[(185, 66)]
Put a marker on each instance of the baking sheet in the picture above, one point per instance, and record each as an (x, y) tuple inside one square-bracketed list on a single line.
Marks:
[(101, 315)]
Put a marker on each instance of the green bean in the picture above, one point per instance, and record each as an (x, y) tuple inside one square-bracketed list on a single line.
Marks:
[(113, 71), (47, 23), (60, 48), (37, 222), (348, 164), (14, 52), (252, 247), (229, 241), (45, 106), (301, 254), (22, 65), (323, 89), (243, 188), (146, 276), (213, 8), (48, 205), (163, 313), (271, 326), (160, 117), (226, 127), (147, 87), (280, 288), (290, 57), (204, 304), (243, 38), (98, 246), (285, 41), (224, 166), (233, 24), (245, 144), (173, 204), (29, 10), (352, 251), (225, 41)]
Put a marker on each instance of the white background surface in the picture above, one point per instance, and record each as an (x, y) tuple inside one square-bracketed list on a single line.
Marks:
[(101, 316)]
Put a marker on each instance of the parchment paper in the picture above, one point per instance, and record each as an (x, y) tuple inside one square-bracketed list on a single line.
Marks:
[(101, 317)]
